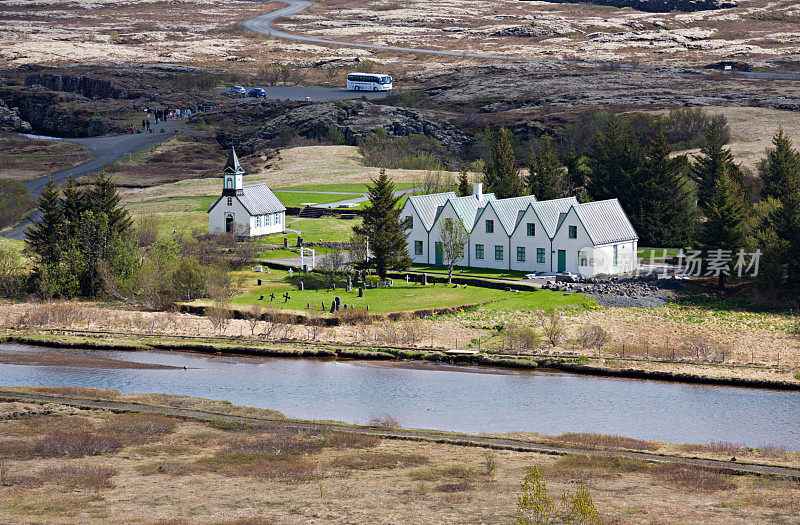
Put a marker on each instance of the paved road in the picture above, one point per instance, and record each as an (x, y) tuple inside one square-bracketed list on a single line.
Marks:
[(263, 24), (313, 94), (463, 440), (105, 150)]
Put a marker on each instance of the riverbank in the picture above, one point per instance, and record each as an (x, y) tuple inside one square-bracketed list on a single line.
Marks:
[(634, 368), (220, 465)]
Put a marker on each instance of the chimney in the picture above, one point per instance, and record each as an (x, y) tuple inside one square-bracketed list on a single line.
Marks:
[(477, 190)]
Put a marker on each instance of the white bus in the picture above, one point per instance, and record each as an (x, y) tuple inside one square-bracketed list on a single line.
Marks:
[(368, 82)]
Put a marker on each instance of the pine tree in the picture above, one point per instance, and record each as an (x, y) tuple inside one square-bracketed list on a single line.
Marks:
[(381, 226), (74, 205), (713, 159), (102, 197), (501, 176), (665, 214), (726, 211), (545, 177), (463, 184), (780, 168), (616, 158), (45, 236), (578, 171)]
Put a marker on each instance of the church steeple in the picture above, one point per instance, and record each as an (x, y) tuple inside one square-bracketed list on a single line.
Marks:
[(232, 175)]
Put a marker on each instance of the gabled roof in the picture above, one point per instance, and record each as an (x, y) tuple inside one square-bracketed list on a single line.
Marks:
[(258, 199), (468, 207), (232, 165), (605, 222), (549, 212), (507, 210), (427, 206)]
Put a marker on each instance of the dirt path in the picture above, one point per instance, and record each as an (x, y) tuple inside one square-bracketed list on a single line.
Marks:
[(465, 440)]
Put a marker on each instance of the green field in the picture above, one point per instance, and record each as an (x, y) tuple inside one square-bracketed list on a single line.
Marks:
[(294, 200), (401, 297), (347, 188)]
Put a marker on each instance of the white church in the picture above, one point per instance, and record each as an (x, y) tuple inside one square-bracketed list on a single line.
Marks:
[(246, 211), (521, 233)]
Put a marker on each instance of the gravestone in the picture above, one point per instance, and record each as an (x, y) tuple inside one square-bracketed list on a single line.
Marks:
[(299, 241), (360, 291), (286, 297), (301, 285), (338, 302), (291, 272), (333, 307), (259, 282), (261, 298), (286, 243), (323, 306), (272, 297), (424, 279), (349, 287)]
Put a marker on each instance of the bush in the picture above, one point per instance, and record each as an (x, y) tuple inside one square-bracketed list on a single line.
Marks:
[(75, 445), (386, 421), (520, 337), (140, 427), (85, 477), (606, 441), (593, 337), (694, 478), (15, 202), (379, 461)]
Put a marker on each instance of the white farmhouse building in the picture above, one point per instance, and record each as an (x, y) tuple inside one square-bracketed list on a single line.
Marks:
[(245, 210), (521, 233)]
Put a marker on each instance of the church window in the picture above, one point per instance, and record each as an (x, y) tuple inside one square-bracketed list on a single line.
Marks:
[(258, 221), (230, 201)]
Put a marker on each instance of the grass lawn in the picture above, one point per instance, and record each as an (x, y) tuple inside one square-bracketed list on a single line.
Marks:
[(315, 230), (470, 272), (180, 214), (290, 199), (656, 253), (401, 297), (346, 187)]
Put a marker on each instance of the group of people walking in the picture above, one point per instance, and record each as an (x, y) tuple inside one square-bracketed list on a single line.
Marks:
[(160, 115)]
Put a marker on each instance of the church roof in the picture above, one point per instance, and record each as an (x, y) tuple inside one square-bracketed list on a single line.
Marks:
[(232, 165), (258, 199)]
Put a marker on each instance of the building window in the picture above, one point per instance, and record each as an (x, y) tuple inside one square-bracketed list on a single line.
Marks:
[(479, 251), (228, 183), (417, 247), (489, 226), (267, 219), (573, 232), (277, 218), (582, 261), (258, 221), (230, 201), (409, 222), (531, 229), (616, 255), (540, 255), (520, 254), (498, 252)]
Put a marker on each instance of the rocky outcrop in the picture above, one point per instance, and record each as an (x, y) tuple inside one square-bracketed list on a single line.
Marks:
[(51, 113), (355, 119), (92, 88), (657, 6), (11, 121)]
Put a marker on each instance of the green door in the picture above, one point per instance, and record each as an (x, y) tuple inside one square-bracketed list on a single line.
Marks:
[(562, 261), (438, 253)]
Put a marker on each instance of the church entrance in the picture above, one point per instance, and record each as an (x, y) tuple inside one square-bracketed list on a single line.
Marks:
[(229, 223)]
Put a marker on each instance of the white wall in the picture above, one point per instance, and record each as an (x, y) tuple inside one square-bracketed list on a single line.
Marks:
[(448, 212), (489, 241), (416, 233), (277, 224), (599, 259), (539, 240), (241, 217)]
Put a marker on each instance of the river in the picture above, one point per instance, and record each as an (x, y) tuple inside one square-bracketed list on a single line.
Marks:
[(433, 396)]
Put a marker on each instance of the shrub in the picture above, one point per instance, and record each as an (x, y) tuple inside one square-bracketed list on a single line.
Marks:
[(606, 441), (15, 202), (534, 506), (354, 316), (75, 445), (222, 424), (694, 478), (386, 421), (85, 477), (454, 487), (338, 439), (140, 427), (580, 508), (552, 325), (521, 337), (276, 444), (593, 337), (721, 447), (379, 461)]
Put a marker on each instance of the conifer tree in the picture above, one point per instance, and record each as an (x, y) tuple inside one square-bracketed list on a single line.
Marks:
[(45, 236), (616, 157), (103, 197), (726, 211), (714, 158), (74, 204), (578, 171), (381, 226), (780, 168), (665, 214), (464, 188), (545, 177), (501, 176)]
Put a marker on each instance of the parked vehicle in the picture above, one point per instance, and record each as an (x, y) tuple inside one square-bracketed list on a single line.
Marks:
[(257, 93), (237, 91), (368, 82)]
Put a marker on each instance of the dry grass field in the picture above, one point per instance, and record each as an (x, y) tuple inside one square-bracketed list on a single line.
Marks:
[(66, 465), (149, 31), (24, 159)]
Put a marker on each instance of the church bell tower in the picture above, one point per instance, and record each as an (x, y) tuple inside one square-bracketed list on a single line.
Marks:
[(232, 175)]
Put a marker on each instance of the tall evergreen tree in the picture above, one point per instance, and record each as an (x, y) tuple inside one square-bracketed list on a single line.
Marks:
[(578, 171), (714, 158), (501, 175), (665, 214), (464, 188), (45, 236), (726, 211), (780, 168), (103, 197), (381, 226), (616, 157), (74, 205), (545, 175)]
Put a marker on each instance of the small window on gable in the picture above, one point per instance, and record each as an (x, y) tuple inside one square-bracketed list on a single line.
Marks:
[(531, 229), (230, 201), (573, 232), (417, 247), (409, 222), (489, 226)]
